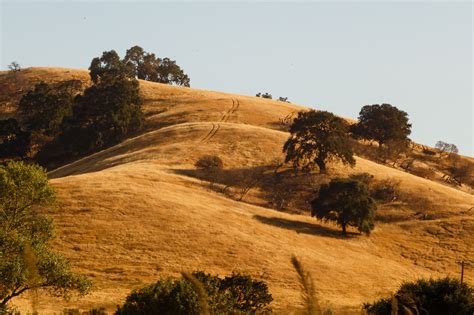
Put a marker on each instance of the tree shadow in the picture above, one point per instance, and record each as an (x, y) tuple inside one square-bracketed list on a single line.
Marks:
[(304, 227), (277, 188)]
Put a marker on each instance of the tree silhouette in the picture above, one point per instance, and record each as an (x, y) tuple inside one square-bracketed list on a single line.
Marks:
[(382, 123), (346, 202), (318, 137)]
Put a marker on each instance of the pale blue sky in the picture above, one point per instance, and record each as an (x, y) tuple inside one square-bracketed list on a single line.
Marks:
[(333, 56)]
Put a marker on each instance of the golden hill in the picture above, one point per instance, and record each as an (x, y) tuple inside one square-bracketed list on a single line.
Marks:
[(134, 212)]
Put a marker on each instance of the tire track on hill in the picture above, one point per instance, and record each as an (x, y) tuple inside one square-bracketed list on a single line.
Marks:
[(231, 111), (210, 133), (216, 126)]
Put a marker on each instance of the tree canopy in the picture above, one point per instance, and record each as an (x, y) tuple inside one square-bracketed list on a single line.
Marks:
[(44, 108), (14, 142), (103, 115), (318, 137), (427, 296), (382, 123), (109, 68), (147, 66), (26, 260), (346, 202)]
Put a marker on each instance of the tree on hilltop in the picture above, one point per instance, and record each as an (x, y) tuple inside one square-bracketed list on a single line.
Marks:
[(147, 66), (382, 123), (318, 137), (109, 68)]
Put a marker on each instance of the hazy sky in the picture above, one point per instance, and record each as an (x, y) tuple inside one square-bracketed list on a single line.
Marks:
[(333, 56)]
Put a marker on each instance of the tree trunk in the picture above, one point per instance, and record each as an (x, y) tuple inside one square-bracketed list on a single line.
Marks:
[(344, 231), (321, 164)]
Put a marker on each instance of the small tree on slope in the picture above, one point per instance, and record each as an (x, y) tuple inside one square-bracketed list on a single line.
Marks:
[(346, 202)]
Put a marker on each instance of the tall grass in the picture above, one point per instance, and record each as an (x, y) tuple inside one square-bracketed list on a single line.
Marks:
[(308, 292), (203, 298)]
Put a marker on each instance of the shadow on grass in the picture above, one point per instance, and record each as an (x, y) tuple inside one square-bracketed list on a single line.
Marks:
[(303, 227)]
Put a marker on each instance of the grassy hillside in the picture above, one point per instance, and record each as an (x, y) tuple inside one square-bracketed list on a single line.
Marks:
[(137, 211)]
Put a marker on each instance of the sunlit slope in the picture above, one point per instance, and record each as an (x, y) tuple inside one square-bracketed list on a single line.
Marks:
[(129, 224), (134, 212)]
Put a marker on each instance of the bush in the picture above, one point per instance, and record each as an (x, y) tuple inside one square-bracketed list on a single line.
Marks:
[(386, 190), (365, 178), (233, 294), (209, 162), (435, 297)]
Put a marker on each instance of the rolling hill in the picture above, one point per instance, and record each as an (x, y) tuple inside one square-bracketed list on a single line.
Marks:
[(137, 211)]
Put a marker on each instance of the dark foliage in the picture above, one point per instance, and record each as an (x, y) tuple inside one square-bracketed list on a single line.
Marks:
[(382, 123), (44, 108), (147, 66), (318, 137), (103, 115), (209, 162), (435, 297), (264, 95), (386, 190), (233, 294), (14, 142), (109, 68), (346, 202)]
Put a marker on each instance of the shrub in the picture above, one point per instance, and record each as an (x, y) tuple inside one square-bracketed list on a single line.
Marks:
[(365, 178), (209, 162), (435, 297), (386, 190), (233, 294)]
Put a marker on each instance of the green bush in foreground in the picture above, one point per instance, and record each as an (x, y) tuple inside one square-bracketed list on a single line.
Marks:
[(444, 296), (235, 294)]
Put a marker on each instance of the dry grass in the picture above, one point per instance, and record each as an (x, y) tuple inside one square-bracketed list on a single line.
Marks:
[(130, 214)]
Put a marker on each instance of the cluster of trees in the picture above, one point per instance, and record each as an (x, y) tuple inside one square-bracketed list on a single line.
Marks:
[(147, 66), (319, 137), (76, 123), (72, 122), (269, 96)]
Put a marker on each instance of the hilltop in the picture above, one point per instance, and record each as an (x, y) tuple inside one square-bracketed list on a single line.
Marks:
[(137, 211)]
